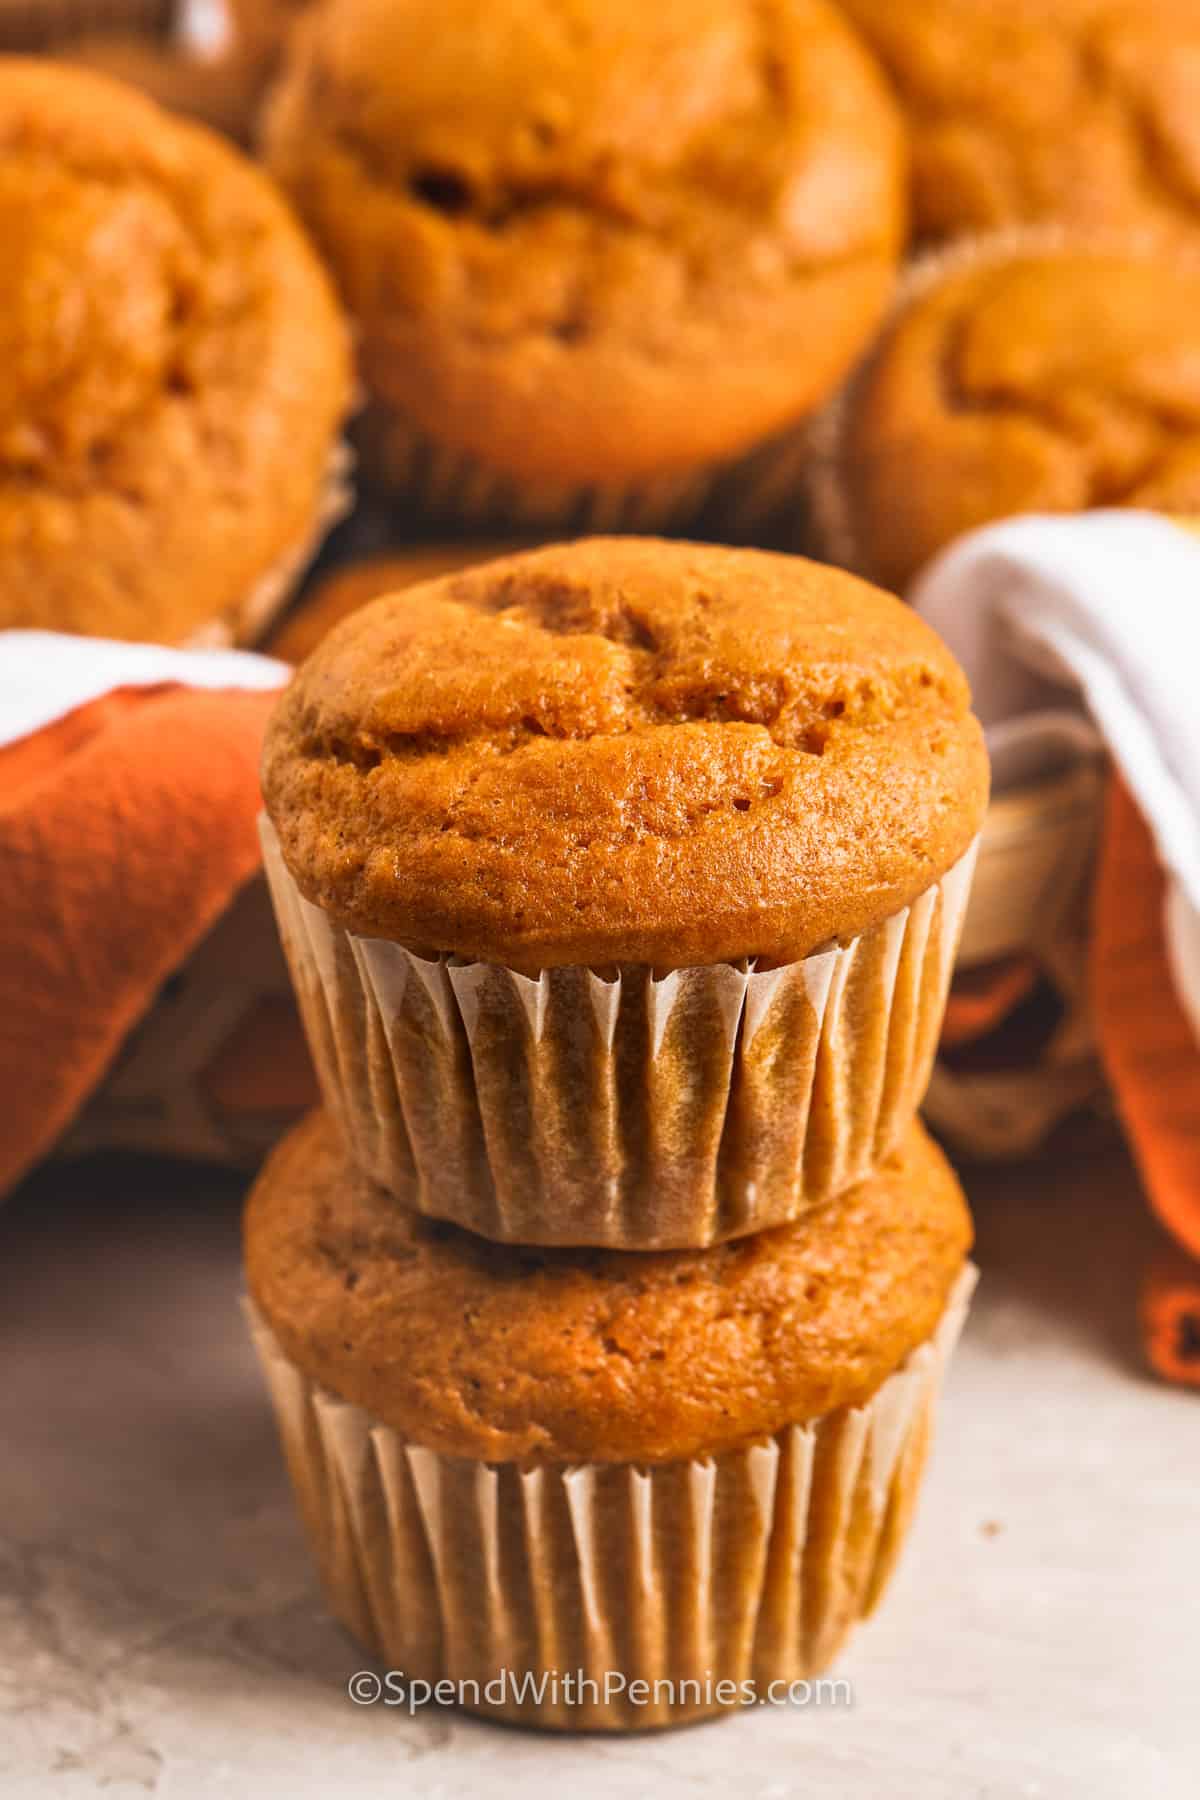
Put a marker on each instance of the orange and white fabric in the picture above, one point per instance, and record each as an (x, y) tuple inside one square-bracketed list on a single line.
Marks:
[(1093, 623), (128, 800)]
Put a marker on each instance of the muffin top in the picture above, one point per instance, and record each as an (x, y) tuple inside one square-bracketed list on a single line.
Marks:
[(350, 586), (600, 240), (175, 366), (625, 751), (507, 1354), (1018, 380), (1082, 111)]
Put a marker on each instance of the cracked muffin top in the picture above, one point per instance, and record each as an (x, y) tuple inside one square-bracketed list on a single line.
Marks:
[(625, 750), (1022, 380), (508, 1354), (589, 240), (175, 366), (1082, 111)]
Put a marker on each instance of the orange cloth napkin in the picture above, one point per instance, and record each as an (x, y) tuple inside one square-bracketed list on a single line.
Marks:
[(126, 827), (1153, 1062), (1151, 1057)]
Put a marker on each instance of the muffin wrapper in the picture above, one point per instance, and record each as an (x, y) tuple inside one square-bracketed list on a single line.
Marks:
[(750, 1566), (42, 24), (248, 622), (453, 486), (831, 530), (633, 1110)]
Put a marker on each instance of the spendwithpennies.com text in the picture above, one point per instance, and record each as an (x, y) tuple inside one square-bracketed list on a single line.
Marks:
[(573, 1688)]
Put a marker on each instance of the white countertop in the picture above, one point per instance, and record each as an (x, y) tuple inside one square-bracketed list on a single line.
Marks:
[(161, 1632)]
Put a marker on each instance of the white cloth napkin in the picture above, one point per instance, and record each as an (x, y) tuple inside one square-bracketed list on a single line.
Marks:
[(203, 27), (46, 674), (1069, 625)]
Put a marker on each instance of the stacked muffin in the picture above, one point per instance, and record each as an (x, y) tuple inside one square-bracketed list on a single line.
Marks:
[(620, 883)]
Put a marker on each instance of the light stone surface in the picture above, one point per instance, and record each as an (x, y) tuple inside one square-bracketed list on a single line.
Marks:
[(161, 1632)]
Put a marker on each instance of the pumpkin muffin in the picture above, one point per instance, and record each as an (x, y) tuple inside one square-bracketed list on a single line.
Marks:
[(1028, 373), (176, 370), (592, 253), (621, 883), (688, 1467), (1080, 111)]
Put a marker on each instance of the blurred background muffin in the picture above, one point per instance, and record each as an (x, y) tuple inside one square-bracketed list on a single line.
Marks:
[(177, 371), (1086, 111), (1028, 373), (592, 255)]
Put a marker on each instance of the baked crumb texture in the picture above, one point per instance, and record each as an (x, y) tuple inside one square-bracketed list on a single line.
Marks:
[(597, 242), (1081, 111), (516, 1355), (176, 369), (1023, 379)]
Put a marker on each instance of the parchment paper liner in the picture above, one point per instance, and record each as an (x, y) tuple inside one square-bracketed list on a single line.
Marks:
[(42, 24), (626, 1111), (750, 1566), (820, 450), (448, 485)]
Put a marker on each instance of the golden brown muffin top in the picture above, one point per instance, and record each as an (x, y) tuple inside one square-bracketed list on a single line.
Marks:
[(595, 240), (1082, 111), (1023, 380), (175, 367), (345, 589), (625, 751), (513, 1355)]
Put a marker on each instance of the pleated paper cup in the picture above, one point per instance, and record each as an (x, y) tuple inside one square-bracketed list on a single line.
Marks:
[(546, 1595), (454, 487), (27, 25), (629, 1110)]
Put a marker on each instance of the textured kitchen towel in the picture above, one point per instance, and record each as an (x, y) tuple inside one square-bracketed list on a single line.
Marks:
[(1096, 619), (128, 799)]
